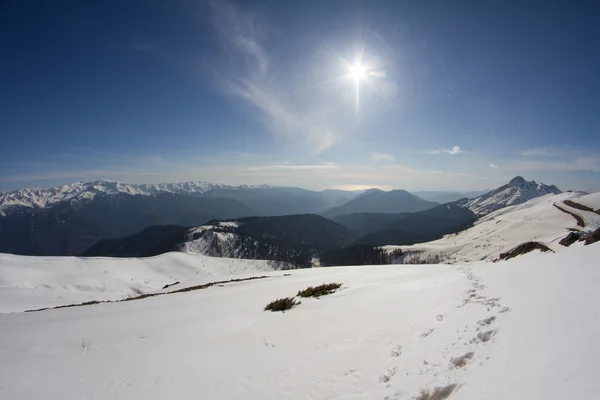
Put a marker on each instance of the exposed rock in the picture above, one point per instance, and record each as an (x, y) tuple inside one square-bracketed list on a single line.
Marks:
[(592, 237), (571, 238), (524, 249)]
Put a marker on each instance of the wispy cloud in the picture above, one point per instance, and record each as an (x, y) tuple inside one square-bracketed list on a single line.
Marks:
[(327, 166), (382, 157), (452, 151), (576, 164), (248, 73), (492, 165), (357, 187), (541, 151), (241, 154)]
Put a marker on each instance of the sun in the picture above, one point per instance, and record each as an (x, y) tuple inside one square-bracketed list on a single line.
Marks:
[(357, 72)]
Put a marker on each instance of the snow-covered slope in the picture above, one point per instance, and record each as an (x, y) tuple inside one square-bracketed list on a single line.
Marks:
[(207, 239), (591, 200), (517, 191), (36, 282), (82, 191), (485, 331), (535, 220)]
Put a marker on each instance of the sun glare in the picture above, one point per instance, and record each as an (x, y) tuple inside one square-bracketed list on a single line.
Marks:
[(357, 72)]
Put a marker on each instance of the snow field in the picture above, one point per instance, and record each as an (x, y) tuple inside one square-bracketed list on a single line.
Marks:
[(521, 329), (498, 232)]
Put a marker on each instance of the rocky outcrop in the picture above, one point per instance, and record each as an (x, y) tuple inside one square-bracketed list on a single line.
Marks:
[(591, 237), (524, 249), (571, 238)]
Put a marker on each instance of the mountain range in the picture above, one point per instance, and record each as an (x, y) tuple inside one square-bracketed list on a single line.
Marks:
[(262, 200), (71, 219), (291, 239)]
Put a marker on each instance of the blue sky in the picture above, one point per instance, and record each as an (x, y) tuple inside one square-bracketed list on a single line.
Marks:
[(457, 95)]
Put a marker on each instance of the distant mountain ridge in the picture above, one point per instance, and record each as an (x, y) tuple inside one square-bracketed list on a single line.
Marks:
[(379, 201), (69, 228), (407, 228), (516, 191), (86, 191), (69, 219), (448, 197), (263, 200), (292, 239)]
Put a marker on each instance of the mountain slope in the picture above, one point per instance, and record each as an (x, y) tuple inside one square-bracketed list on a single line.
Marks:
[(293, 239), (33, 282), (535, 220), (448, 197), (276, 201), (396, 333), (68, 219), (70, 229), (517, 191), (365, 223), (135, 245), (421, 226), (379, 201)]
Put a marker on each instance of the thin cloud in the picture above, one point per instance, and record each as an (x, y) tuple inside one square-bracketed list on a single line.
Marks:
[(542, 151), (359, 187), (240, 154), (382, 157), (327, 166), (577, 164), (492, 165), (247, 73), (453, 151)]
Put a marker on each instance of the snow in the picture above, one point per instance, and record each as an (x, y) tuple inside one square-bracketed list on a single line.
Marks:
[(524, 329), (229, 224), (590, 219), (86, 191), (591, 200), (210, 240), (205, 244), (517, 191), (537, 219), (37, 282), (549, 339)]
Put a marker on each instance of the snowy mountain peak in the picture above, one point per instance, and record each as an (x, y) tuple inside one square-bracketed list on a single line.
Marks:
[(516, 191), (517, 181), (86, 191)]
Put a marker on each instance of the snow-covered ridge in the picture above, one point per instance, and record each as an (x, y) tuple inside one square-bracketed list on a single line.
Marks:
[(538, 220), (85, 191), (212, 240), (36, 282), (517, 191)]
